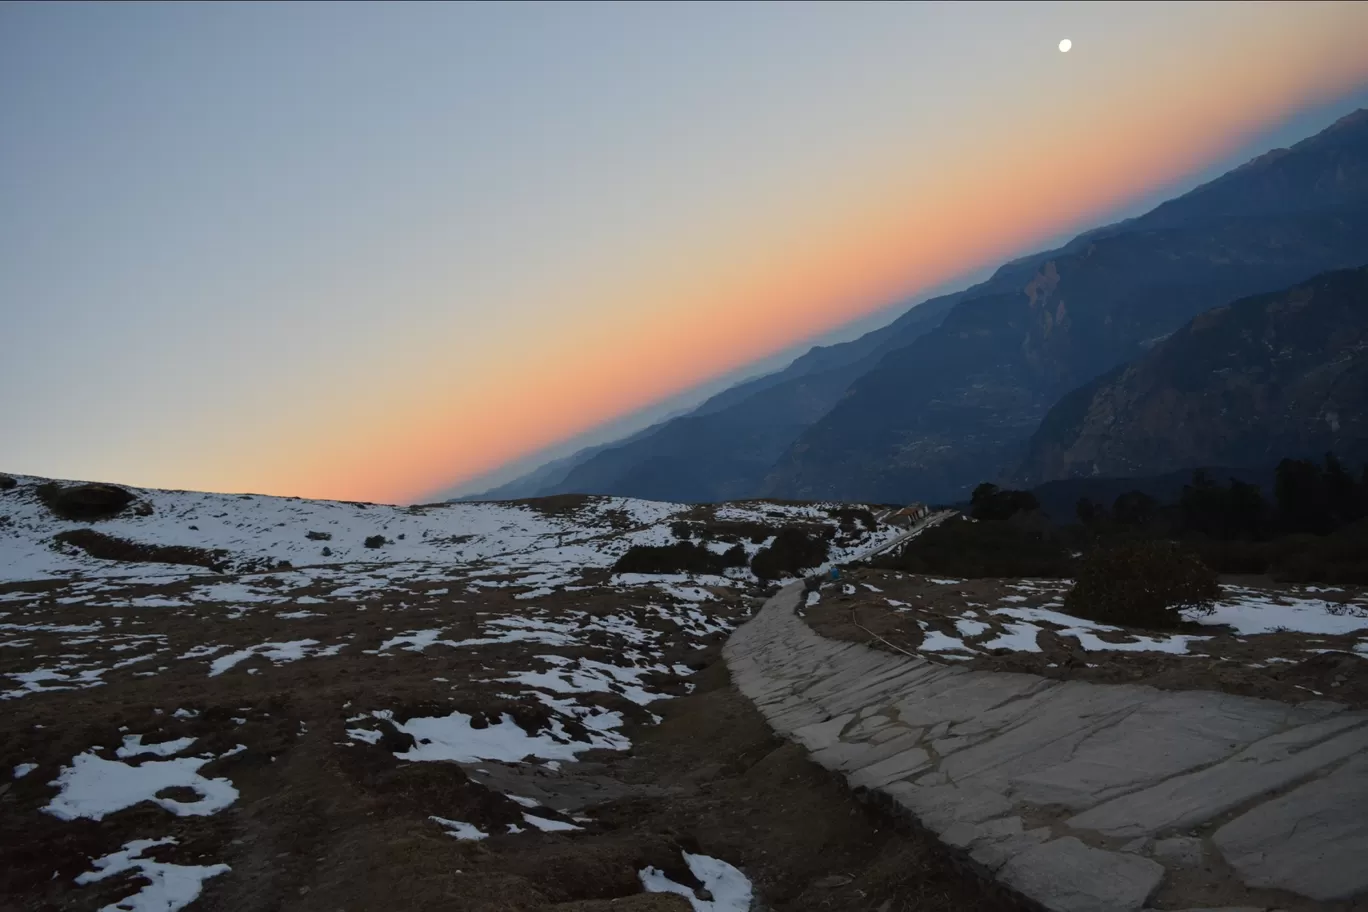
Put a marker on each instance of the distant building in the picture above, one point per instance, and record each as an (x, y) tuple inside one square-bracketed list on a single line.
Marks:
[(910, 515)]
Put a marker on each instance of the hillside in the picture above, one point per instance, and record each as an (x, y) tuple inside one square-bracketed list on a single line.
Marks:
[(957, 405), (722, 449), (471, 712), (1281, 374), (229, 533)]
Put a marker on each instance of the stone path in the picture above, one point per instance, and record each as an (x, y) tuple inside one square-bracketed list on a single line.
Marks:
[(1081, 797)]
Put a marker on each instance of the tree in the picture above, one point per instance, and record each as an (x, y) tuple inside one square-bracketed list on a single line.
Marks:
[(1135, 508), (1246, 512), (1299, 490), (990, 502), (1090, 512), (1200, 505), (982, 495), (1340, 493)]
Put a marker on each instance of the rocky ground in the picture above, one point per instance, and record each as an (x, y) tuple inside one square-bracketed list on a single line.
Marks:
[(582, 738), (1284, 642), (497, 721)]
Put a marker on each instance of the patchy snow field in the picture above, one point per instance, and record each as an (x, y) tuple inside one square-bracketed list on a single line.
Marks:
[(510, 537), (1289, 642), (158, 714)]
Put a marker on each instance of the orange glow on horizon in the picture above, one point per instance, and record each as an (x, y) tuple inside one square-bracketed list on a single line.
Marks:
[(741, 302)]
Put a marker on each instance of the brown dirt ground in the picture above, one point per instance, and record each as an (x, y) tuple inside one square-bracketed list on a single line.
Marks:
[(1223, 663), (325, 824)]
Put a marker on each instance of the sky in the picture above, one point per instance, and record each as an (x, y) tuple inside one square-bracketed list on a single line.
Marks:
[(373, 251)]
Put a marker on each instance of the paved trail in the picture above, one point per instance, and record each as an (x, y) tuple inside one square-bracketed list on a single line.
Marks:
[(1082, 797)]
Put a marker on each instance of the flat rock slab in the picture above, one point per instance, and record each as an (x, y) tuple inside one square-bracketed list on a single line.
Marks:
[(1081, 797), (1309, 841), (1067, 875)]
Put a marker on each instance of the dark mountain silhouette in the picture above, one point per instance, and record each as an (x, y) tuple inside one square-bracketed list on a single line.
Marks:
[(949, 394), (956, 406), (1274, 375)]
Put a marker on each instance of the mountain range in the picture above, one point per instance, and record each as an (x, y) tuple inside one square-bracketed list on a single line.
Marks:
[(1273, 375), (954, 392)]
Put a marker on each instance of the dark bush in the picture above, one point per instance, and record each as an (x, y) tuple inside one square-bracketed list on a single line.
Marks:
[(1215, 511), (318, 536), (1318, 498), (680, 557), (854, 515), (376, 541), (84, 502), (735, 529), (555, 504), (682, 529), (107, 547), (1341, 557), (971, 550), (326, 552), (992, 503), (6, 482), (1135, 508), (1239, 557), (1145, 584), (792, 551), (1090, 512)]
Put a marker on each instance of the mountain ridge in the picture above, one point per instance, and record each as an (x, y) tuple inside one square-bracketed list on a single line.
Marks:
[(1277, 374), (949, 393), (957, 406)]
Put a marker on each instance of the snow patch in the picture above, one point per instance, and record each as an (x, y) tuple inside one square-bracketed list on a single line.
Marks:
[(730, 889), (170, 886), (94, 787)]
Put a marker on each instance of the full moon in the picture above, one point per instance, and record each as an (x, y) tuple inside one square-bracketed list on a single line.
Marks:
[(1065, 45)]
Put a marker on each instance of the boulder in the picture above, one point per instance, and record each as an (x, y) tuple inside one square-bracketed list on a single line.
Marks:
[(85, 501)]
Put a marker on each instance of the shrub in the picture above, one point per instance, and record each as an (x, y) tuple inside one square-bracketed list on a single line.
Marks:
[(1243, 557), (107, 547), (792, 551), (1135, 508), (854, 515), (991, 502), (983, 549), (7, 482), (680, 557), (376, 541), (735, 529), (84, 502), (318, 536), (556, 504), (682, 529), (1145, 584), (1341, 557)]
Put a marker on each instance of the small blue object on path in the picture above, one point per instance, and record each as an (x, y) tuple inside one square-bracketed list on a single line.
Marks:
[(835, 573)]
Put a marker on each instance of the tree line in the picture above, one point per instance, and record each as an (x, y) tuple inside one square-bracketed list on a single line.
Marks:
[(1309, 498)]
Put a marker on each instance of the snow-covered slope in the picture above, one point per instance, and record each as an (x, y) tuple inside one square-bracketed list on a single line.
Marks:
[(589, 533)]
